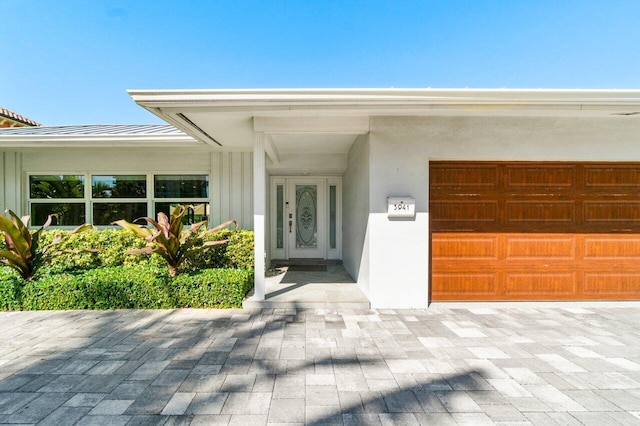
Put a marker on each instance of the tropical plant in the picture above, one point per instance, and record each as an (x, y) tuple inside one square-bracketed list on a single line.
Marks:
[(23, 250), (168, 239)]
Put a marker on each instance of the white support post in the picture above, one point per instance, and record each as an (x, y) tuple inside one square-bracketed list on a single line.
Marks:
[(259, 208)]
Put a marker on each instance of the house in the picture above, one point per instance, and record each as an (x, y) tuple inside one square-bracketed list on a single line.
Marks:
[(424, 195), (11, 119)]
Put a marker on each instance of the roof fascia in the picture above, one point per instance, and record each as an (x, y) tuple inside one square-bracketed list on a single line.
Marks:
[(381, 98)]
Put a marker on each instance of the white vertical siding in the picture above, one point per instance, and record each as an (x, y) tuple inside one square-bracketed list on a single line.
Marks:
[(247, 192), (214, 188), (233, 175), (10, 182)]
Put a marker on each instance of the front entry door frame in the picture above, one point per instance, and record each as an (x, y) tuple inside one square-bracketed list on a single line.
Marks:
[(283, 211)]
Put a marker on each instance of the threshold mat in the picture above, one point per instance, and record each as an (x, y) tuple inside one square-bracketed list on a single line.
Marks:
[(308, 268)]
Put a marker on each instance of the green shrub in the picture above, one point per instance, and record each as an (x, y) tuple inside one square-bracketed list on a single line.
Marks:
[(141, 287), (128, 287), (10, 289), (236, 253), (213, 288), (59, 291), (103, 288), (111, 245)]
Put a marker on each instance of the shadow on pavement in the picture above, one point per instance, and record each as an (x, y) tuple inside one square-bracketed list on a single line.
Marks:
[(200, 367)]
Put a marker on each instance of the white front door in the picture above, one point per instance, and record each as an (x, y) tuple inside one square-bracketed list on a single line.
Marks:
[(305, 217)]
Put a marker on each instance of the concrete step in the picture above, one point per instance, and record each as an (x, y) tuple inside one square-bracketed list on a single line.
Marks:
[(251, 303)]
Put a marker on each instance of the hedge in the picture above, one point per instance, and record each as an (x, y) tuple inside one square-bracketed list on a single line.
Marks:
[(140, 287), (237, 253), (11, 285), (112, 245)]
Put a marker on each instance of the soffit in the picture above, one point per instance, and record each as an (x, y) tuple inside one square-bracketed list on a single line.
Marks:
[(225, 119)]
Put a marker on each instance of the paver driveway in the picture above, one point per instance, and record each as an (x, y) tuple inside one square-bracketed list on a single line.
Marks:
[(471, 365)]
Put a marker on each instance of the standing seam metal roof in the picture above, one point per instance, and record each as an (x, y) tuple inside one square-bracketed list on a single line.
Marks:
[(94, 129)]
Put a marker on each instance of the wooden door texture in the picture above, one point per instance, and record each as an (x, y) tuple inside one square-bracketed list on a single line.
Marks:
[(534, 231)]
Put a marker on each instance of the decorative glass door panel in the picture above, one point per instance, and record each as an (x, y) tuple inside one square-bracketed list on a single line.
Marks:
[(306, 216)]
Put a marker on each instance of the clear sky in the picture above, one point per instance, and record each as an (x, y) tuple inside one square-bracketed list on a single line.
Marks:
[(71, 62)]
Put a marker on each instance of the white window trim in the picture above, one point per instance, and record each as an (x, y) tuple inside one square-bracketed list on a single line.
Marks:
[(88, 199)]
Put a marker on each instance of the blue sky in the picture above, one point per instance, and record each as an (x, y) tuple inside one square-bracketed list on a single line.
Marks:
[(71, 62)]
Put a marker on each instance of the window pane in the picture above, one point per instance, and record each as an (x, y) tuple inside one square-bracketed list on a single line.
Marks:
[(332, 217), (119, 186), (62, 186), (181, 186), (198, 213), (279, 216), (70, 214), (107, 213)]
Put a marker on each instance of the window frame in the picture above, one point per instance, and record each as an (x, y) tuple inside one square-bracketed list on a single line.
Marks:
[(88, 200)]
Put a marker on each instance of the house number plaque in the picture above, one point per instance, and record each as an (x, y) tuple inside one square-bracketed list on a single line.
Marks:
[(401, 207)]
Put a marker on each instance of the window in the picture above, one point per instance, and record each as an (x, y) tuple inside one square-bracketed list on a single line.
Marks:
[(181, 186), (62, 195), (116, 196), (332, 216), (192, 190), (279, 216)]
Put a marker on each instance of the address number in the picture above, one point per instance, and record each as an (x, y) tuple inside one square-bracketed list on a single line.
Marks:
[(400, 206)]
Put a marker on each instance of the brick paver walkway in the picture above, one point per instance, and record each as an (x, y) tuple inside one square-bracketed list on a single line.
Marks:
[(476, 365)]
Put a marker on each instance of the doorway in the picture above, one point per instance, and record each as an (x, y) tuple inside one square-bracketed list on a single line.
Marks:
[(305, 218)]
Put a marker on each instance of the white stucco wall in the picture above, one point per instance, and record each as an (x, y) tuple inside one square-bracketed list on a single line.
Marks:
[(400, 151), (355, 216), (230, 174)]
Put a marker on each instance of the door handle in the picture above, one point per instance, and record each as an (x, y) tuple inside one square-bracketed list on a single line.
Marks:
[(290, 224)]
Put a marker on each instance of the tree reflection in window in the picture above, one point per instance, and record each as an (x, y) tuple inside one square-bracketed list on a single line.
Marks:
[(119, 186), (56, 186)]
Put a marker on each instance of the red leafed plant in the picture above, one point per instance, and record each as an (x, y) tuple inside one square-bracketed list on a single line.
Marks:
[(24, 251), (169, 239)]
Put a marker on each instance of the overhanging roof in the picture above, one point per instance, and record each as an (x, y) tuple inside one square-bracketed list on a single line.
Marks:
[(94, 135), (229, 117)]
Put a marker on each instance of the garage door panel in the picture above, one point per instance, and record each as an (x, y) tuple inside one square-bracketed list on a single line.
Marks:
[(529, 177), (535, 231), (465, 211), (470, 285), (480, 176), (612, 212), (547, 213), (545, 247), (614, 285), (470, 248), (607, 247), (540, 285), (611, 178)]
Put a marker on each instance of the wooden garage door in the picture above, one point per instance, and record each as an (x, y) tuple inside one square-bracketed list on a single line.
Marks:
[(534, 231)]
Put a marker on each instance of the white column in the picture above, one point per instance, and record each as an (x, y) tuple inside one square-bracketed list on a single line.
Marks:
[(259, 207)]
